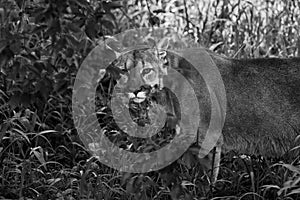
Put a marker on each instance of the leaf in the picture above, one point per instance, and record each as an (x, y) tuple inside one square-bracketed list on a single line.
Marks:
[(39, 154), (25, 99), (159, 11), (125, 177), (25, 122), (187, 160), (3, 60), (82, 3), (3, 44), (175, 192), (61, 43), (22, 134), (72, 41), (74, 28), (295, 148), (154, 20), (292, 168), (91, 29), (298, 47), (44, 87), (61, 86), (187, 183), (110, 16), (54, 29), (131, 186), (116, 4), (112, 5), (53, 181), (108, 24), (15, 47), (295, 191), (47, 131), (37, 68), (19, 3), (3, 130), (29, 56), (276, 187), (289, 167), (215, 46), (14, 101), (37, 53)]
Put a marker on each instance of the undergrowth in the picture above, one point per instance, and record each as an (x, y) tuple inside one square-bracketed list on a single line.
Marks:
[(42, 44)]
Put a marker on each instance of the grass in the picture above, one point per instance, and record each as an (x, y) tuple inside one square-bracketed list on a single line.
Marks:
[(41, 157)]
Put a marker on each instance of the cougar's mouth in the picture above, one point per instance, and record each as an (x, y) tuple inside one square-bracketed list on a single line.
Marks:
[(139, 97)]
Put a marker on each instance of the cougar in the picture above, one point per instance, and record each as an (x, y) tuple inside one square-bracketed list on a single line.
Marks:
[(263, 100)]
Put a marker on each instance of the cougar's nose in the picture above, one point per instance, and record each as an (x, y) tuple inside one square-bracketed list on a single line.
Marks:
[(134, 85)]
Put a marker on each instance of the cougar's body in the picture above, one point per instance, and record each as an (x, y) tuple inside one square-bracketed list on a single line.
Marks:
[(263, 104)]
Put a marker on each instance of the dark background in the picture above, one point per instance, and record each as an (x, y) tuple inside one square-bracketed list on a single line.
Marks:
[(42, 44)]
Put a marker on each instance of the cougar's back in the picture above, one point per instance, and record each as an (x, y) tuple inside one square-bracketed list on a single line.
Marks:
[(263, 104)]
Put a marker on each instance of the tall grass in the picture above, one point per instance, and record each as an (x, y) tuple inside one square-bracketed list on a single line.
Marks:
[(239, 28), (43, 160)]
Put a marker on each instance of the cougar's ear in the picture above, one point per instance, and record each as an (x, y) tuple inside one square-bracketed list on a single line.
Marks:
[(164, 43), (162, 55), (163, 70), (122, 81)]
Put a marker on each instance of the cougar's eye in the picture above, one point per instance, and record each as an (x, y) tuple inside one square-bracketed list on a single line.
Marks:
[(147, 70), (123, 80)]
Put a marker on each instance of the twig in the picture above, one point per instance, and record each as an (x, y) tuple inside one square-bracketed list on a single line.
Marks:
[(150, 13), (186, 15), (131, 20)]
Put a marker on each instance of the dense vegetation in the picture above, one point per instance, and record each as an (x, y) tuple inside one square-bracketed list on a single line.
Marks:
[(43, 43)]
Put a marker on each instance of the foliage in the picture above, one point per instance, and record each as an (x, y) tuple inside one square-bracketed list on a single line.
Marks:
[(237, 28), (42, 44)]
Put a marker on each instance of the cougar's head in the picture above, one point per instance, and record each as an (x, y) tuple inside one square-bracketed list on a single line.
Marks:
[(143, 72)]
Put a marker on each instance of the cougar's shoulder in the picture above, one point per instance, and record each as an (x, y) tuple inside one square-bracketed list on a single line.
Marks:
[(263, 103), (277, 70), (223, 63)]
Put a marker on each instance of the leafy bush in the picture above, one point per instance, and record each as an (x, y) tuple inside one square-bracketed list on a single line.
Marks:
[(43, 43)]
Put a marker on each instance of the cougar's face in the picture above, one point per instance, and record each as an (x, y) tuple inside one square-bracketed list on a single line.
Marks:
[(144, 71)]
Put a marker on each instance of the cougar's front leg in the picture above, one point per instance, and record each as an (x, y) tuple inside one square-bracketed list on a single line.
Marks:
[(216, 164), (214, 159)]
